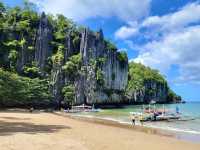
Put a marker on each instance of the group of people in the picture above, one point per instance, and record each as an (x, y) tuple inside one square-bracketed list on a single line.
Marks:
[(137, 118), (154, 113)]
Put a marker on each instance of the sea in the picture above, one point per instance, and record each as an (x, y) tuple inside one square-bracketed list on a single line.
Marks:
[(187, 128)]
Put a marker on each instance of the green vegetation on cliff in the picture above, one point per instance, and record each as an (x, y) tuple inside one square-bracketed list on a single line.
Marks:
[(139, 74), (122, 57), (69, 94), (40, 57), (17, 91), (18, 27), (150, 82), (72, 66)]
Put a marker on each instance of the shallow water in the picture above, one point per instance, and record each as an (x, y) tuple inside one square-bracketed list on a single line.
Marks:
[(187, 129)]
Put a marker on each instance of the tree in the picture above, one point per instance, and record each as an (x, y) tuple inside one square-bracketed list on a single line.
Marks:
[(173, 97), (13, 55), (23, 91), (69, 94), (2, 9), (122, 57), (58, 58), (140, 76), (100, 77), (110, 46), (73, 66), (31, 70)]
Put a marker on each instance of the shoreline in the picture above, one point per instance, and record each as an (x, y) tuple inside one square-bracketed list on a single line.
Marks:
[(154, 130), (180, 135), (57, 130)]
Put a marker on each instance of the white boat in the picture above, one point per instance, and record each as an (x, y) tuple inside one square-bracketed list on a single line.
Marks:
[(153, 102), (82, 108), (167, 117), (154, 114), (136, 113)]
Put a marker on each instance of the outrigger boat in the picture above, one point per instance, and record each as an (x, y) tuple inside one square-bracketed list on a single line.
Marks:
[(167, 117), (154, 114), (82, 108)]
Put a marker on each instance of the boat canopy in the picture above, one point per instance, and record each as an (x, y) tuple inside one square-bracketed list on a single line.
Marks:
[(83, 106)]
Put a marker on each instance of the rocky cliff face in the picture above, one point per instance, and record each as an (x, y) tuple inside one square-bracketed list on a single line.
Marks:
[(71, 48), (146, 85), (96, 59), (23, 59), (58, 77), (151, 91), (76, 64), (44, 37), (103, 76), (99, 60)]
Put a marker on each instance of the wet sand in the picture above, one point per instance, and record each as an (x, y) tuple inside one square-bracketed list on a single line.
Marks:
[(41, 131)]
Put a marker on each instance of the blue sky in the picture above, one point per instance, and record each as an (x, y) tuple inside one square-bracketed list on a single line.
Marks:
[(162, 34)]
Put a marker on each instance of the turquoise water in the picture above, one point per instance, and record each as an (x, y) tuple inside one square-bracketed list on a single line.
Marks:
[(190, 112)]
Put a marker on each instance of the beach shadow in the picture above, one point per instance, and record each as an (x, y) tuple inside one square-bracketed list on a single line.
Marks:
[(10, 128), (14, 118)]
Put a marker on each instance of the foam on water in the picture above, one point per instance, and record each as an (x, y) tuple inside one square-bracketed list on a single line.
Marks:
[(190, 112), (145, 125)]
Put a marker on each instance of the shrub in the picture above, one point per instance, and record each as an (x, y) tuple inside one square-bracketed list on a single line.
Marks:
[(59, 56), (100, 77), (31, 71), (69, 94), (122, 57), (22, 91), (73, 65), (110, 46)]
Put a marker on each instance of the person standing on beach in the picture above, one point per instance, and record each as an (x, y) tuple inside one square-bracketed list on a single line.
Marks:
[(133, 120), (141, 120)]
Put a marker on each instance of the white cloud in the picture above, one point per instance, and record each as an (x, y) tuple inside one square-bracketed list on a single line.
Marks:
[(174, 21), (84, 9), (180, 48), (172, 39), (186, 15), (127, 31), (122, 50), (132, 46)]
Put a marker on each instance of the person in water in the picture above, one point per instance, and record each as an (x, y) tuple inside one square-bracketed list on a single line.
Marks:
[(177, 110)]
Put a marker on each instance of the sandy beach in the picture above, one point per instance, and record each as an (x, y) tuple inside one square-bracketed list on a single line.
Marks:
[(41, 131)]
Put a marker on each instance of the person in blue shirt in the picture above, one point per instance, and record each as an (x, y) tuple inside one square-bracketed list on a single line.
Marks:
[(177, 110)]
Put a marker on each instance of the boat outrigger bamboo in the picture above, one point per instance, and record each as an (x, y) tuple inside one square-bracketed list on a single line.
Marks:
[(82, 108), (154, 114)]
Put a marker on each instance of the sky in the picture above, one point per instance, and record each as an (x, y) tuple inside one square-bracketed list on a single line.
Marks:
[(161, 34)]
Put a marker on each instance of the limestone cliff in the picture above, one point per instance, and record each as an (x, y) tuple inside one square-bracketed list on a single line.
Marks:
[(97, 59), (46, 50), (146, 85), (103, 75), (151, 91), (42, 46)]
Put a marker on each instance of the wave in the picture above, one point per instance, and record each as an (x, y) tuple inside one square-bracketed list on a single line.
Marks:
[(174, 129), (165, 127)]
